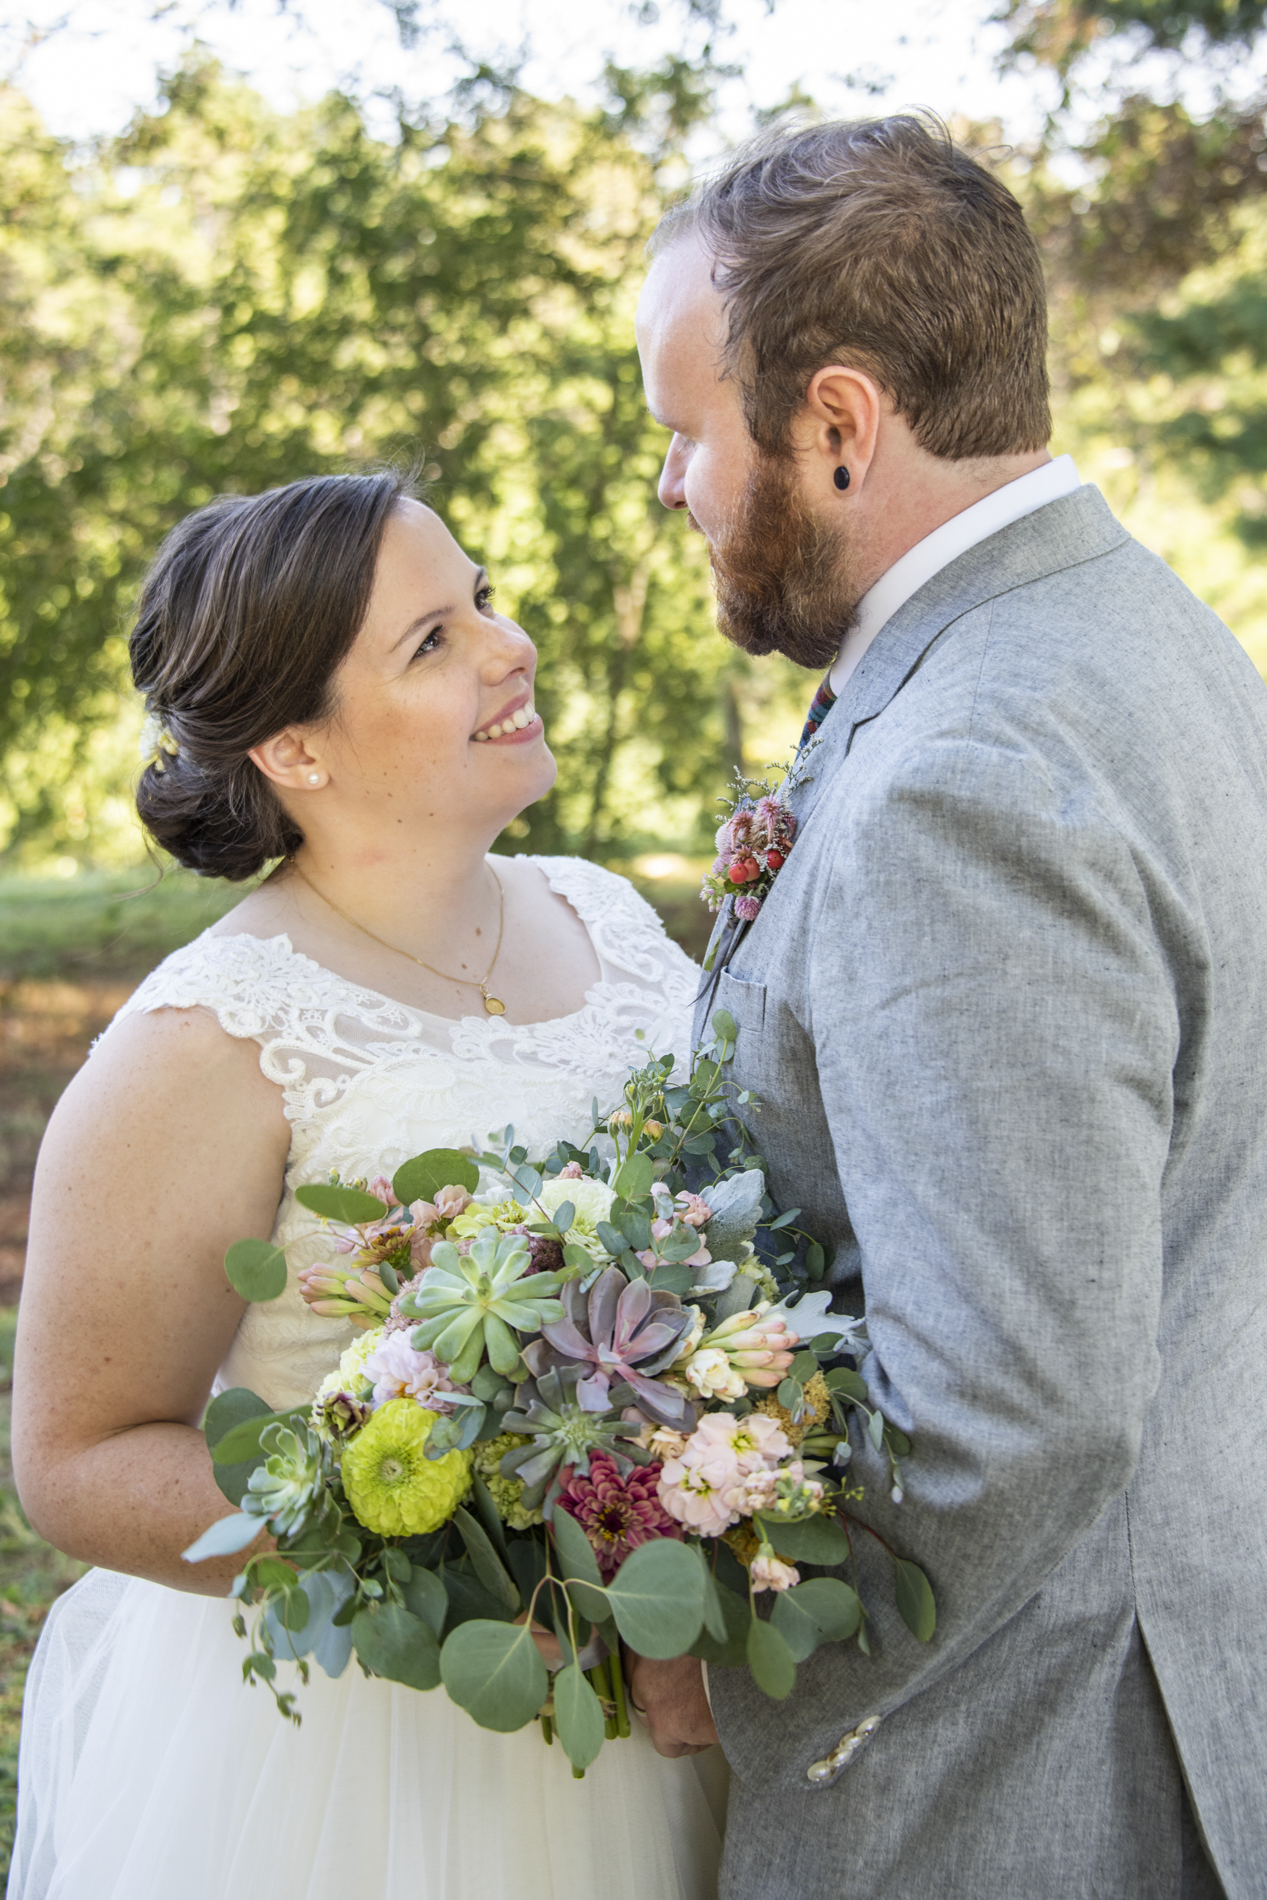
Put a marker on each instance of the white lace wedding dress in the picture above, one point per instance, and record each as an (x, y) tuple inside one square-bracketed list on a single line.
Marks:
[(148, 1770)]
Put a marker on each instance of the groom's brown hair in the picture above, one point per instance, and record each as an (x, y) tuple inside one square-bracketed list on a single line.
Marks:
[(878, 243)]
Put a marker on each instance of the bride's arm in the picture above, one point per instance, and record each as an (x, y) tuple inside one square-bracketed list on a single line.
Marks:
[(168, 1146)]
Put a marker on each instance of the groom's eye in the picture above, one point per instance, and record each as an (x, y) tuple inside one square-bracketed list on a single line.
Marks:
[(484, 596)]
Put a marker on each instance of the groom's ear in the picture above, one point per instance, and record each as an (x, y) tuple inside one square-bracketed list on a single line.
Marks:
[(839, 425)]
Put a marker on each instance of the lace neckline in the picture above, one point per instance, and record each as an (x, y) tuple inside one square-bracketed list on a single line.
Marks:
[(559, 884)]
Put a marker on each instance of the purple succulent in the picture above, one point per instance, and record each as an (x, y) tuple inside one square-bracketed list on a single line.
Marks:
[(624, 1333)]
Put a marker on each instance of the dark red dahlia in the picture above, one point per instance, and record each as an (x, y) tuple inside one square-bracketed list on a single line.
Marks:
[(617, 1514)]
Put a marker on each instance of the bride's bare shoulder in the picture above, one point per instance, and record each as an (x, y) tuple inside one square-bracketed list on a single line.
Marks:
[(164, 1073)]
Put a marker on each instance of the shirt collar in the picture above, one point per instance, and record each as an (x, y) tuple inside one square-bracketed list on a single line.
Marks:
[(937, 550)]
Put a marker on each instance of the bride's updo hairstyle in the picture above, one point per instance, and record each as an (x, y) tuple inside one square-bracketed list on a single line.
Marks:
[(245, 617)]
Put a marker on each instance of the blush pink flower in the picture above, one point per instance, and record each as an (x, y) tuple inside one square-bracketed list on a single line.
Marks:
[(694, 1210), (771, 1573), (748, 909), (703, 1485), (399, 1372), (617, 1513), (758, 1348), (572, 1172)]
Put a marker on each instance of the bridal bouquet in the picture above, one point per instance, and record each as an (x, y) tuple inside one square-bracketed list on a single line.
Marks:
[(578, 1402)]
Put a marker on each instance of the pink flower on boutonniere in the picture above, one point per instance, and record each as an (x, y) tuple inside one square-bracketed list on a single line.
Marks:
[(752, 847)]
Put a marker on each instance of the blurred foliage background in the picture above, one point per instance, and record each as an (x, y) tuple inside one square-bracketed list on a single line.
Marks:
[(226, 297)]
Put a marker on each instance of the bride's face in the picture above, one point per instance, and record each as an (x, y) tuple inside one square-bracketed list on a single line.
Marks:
[(434, 721)]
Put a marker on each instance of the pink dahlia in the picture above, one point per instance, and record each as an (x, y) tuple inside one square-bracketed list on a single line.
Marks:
[(617, 1514)]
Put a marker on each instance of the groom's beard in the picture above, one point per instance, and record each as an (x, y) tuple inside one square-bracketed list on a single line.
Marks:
[(785, 579)]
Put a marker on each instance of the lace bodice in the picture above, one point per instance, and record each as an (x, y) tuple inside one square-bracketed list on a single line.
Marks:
[(367, 1082)]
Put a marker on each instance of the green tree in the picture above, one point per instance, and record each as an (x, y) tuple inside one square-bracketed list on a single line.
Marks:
[(258, 296)]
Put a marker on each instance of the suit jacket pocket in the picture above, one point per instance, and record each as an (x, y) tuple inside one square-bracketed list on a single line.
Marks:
[(744, 1000)]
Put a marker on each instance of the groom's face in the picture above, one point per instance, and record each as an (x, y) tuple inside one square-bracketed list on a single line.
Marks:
[(784, 573)]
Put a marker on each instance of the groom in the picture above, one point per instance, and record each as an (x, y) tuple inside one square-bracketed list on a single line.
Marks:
[(1006, 1012)]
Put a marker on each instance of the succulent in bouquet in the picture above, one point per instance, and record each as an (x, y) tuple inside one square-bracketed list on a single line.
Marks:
[(579, 1402)]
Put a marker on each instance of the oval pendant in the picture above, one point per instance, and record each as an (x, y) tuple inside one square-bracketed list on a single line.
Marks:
[(493, 1005)]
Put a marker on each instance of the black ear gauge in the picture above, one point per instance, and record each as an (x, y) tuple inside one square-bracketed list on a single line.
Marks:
[(841, 479)]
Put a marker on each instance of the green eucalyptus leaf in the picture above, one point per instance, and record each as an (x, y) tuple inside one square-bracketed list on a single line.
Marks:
[(897, 1441), (493, 1525), (820, 1610), (770, 1660), (815, 1261), (875, 1429), (425, 1596), (225, 1538), (578, 1716), (422, 1178), (256, 1269), (611, 1238), (634, 1177), (814, 1540), (574, 1255), (848, 1385), (494, 1671), (351, 1207), (579, 1565), (914, 1599), (469, 1600), (657, 1599), (564, 1215), (232, 1408), (242, 1441), (636, 1228), (725, 1026), (487, 1565), (731, 1651), (393, 1643)]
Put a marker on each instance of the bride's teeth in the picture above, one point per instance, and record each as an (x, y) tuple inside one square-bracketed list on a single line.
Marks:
[(523, 717), (494, 732)]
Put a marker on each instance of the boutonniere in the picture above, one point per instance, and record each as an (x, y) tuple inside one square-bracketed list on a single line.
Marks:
[(757, 831)]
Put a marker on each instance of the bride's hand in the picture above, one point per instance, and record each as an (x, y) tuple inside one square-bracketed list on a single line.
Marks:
[(670, 1698)]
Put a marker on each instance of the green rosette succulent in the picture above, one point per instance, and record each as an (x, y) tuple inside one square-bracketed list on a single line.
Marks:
[(476, 1303), (285, 1488), (560, 1431)]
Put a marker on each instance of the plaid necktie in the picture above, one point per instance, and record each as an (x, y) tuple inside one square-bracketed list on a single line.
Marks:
[(821, 704)]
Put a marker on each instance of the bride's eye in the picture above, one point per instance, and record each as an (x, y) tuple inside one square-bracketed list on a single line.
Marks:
[(429, 644), (484, 596)]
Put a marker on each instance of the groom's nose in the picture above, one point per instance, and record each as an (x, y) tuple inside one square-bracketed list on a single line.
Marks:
[(672, 485)]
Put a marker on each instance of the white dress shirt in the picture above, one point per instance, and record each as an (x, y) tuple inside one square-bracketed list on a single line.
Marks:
[(938, 549)]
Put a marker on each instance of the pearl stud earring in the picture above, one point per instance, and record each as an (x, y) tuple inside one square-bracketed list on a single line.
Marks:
[(314, 778)]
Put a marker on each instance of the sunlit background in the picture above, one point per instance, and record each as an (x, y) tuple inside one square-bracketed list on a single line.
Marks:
[(246, 243)]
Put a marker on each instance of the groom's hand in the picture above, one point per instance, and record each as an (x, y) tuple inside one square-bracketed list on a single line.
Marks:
[(670, 1697)]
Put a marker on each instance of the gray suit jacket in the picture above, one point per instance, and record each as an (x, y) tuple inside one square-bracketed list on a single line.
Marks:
[(1006, 1010)]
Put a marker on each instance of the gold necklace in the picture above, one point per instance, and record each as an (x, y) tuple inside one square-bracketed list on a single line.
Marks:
[(493, 1004)]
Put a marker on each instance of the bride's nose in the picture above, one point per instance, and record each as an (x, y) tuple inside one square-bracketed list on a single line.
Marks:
[(509, 650)]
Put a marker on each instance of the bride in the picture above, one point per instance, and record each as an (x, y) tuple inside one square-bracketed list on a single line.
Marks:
[(331, 685)]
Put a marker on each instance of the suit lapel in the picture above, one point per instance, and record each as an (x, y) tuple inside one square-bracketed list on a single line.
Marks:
[(1061, 535)]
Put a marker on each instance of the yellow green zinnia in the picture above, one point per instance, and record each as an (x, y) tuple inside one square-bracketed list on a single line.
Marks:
[(391, 1484)]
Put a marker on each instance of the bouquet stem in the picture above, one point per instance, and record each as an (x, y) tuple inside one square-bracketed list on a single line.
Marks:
[(618, 1696)]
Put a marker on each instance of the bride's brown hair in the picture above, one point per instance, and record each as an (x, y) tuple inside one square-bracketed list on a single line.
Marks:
[(245, 617)]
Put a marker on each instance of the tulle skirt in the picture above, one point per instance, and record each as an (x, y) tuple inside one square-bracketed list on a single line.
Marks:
[(149, 1770)]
